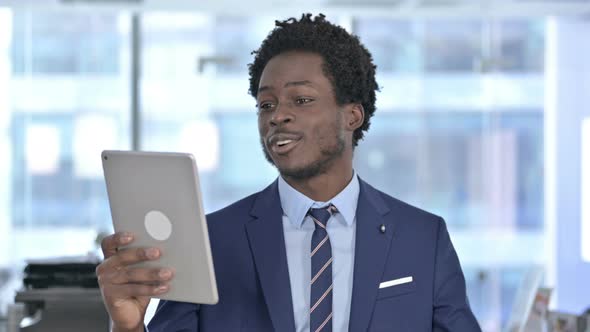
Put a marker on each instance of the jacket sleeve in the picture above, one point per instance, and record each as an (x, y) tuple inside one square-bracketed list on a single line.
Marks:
[(172, 316), (451, 307)]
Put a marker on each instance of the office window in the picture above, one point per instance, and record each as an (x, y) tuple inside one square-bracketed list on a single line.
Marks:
[(452, 46), (521, 46), (69, 99), (394, 44), (585, 191), (65, 42)]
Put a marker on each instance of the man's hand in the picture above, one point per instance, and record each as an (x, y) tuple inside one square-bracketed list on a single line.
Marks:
[(126, 290)]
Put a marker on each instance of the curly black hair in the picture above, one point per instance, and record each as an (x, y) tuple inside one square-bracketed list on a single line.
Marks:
[(347, 63)]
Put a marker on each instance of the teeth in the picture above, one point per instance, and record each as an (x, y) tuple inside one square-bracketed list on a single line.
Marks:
[(281, 143)]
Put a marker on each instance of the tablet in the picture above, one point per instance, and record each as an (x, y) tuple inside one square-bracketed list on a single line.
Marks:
[(156, 196)]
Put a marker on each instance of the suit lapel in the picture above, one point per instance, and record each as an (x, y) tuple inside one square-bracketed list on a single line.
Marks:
[(371, 251), (267, 243)]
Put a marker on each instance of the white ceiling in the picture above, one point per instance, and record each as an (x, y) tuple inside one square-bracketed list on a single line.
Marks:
[(396, 8)]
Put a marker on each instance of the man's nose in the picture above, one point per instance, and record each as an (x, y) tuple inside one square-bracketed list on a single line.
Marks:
[(282, 114)]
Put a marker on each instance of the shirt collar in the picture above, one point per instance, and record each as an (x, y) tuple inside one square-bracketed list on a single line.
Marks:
[(295, 204)]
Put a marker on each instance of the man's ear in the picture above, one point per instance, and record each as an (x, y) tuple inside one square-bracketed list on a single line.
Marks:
[(354, 117)]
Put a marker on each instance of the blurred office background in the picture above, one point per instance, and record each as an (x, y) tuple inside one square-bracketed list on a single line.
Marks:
[(480, 119)]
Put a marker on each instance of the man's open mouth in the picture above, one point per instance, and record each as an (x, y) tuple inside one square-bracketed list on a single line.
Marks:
[(283, 143)]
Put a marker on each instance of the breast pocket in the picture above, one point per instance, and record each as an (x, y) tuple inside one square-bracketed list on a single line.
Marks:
[(394, 309), (396, 290)]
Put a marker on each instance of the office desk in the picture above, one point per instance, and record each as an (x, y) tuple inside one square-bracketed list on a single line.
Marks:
[(65, 309)]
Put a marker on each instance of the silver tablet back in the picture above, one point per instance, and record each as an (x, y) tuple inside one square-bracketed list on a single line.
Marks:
[(156, 196)]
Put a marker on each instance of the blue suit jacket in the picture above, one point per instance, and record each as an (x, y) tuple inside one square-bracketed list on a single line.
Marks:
[(249, 256)]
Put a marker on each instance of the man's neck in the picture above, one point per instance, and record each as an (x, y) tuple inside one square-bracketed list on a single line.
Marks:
[(322, 187)]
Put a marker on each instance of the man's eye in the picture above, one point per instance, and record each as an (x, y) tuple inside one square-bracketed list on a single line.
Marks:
[(303, 100), (265, 106)]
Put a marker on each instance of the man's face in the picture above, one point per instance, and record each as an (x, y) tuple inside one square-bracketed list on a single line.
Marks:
[(300, 124)]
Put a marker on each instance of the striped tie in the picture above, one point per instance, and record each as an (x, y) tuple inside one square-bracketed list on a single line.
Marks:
[(320, 313)]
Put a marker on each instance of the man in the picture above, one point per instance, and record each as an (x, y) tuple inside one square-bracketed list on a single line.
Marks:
[(319, 249)]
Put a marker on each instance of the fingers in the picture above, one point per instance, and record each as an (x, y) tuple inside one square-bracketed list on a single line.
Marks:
[(115, 268), (140, 275), (119, 280), (110, 243), (126, 257), (130, 256), (137, 290)]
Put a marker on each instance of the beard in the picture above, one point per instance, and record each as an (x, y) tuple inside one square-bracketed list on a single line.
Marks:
[(319, 166)]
